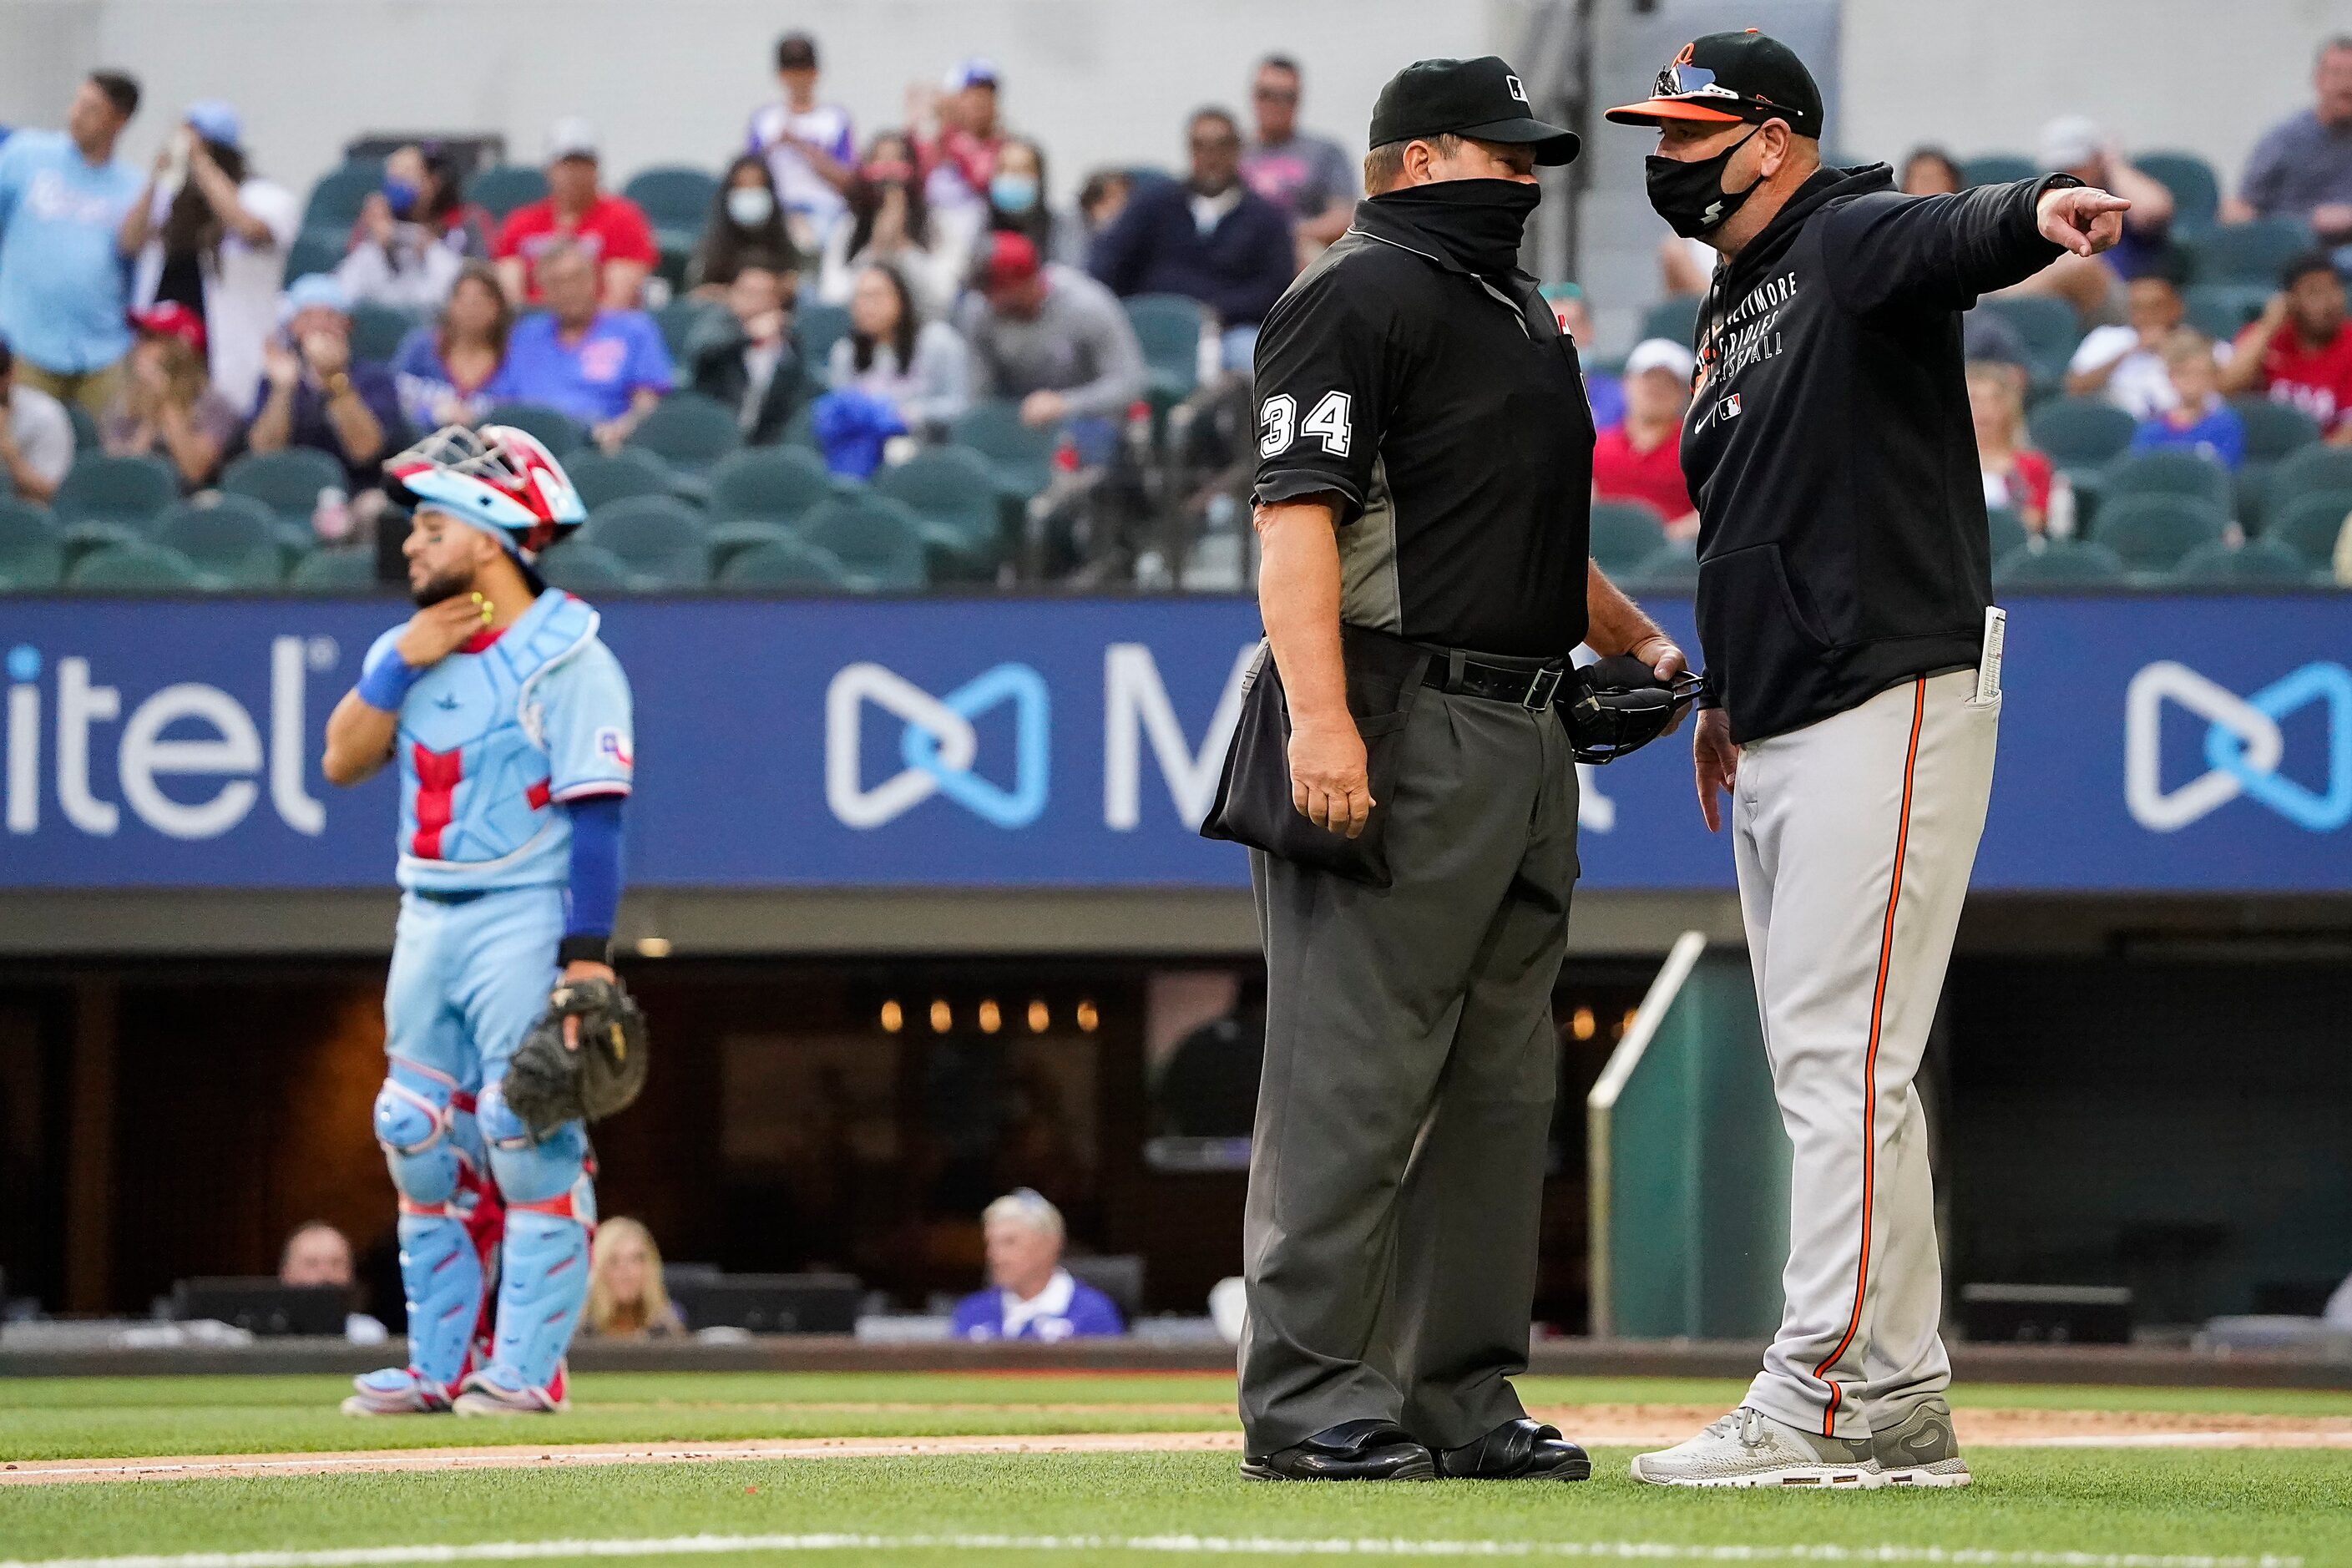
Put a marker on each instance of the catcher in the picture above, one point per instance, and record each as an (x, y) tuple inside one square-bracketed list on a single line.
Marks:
[(510, 723)]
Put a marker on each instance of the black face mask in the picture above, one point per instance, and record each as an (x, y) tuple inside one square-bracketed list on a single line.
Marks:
[(1690, 197), (1479, 222)]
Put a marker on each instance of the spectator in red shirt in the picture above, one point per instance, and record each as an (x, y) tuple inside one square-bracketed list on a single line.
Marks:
[(1641, 459), (2015, 475), (2299, 351), (612, 230)]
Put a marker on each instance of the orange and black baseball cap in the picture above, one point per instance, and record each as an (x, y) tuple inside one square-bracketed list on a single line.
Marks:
[(1731, 79)]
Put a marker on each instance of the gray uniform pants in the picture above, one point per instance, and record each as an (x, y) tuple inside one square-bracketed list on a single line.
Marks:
[(1396, 1178)]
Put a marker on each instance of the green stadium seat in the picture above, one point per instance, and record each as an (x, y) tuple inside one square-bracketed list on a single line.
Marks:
[(341, 571), (2060, 563), (85, 428), (602, 479), (32, 556), (2275, 430), (1022, 454), (232, 542), (2165, 471), (2309, 524), (800, 430), (1669, 568), (689, 431), (2151, 533), (577, 566), (1996, 169), (287, 482), (2252, 252), (2196, 190), (378, 330), (771, 484), (735, 535), (2221, 310), (137, 568), (556, 430), (2006, 530), (1675, 319), (1624, 533), (787, 562), (877, 541), (681, 321), (659, 538), (953, 491), (114, 500), (1168, 326), (502, 187), (315, 250), (335, 201), (2311, 469), (819, 326), (2080, 432), (2049, 327), (677, 200), (2256, 563)]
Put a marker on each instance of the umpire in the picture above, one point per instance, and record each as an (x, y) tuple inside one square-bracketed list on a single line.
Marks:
[(1423, 488)]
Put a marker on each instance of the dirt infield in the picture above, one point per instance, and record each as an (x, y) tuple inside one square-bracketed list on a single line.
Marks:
[(1614, 1425)]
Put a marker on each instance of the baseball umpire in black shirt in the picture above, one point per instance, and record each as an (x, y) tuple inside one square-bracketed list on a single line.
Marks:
[(1423, 496)]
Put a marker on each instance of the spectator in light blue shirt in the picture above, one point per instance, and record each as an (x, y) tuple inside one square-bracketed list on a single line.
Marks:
[(608, 369), (63, 281), (2199, 420), (1031, 1296)]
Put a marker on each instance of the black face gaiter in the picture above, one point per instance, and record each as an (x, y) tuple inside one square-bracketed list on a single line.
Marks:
[(1479, 222), (1690, 197)]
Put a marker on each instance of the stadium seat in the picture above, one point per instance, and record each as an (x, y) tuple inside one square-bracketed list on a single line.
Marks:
[(656, 537), (2275, 430), (819, 326), (2151, 531), (315, 251), (2249, 252), (2196, 191), (378, 330), (1669, 568), (2309, 524), (1675, 319), (879, 541), (953, 490), (345, 571), (85, 428), (2258, 563), (577, 566), (800, 430), (114, 500), (770, 484), (137, 568), (31, 554), (1996, 169), (2222, 310), (1168, 328), (232, 542), (2049, 327), (502, 187), (786, 563), (735, 535), (2007, 531), (689, 431), (631, 471), (2311, 469), (335, 201), (1022, 454), (680, 321), (2169, 472), (287, 482), (2080, 432), (1625, 532), (557, 431), (2058, 563), (677, 200)]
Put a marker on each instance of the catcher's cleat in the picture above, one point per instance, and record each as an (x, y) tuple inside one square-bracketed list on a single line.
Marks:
[(499, 1392), (397, 1391)]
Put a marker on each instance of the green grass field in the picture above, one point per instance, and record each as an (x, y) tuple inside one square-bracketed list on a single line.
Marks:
[(2082, 1507)]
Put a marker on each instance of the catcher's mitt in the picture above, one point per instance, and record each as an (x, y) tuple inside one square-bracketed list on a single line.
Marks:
[(548, 1083), (1621, 706)]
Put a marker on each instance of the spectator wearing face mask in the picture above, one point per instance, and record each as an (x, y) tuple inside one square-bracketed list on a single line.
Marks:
[(412, 235), (808, 147), (919, 367), (752, 362), (2299, 351), (315, 394), (212, 236), (890, 220), (1018, 201), (2198, 420), (746, 221), (166, 406), (1211, 238)]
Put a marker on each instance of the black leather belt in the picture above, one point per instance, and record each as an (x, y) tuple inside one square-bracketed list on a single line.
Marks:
[(1530, 683), (458, 895)]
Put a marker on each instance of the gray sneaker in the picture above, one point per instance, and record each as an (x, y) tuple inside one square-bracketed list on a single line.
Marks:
[(1920, 1450), (1748, 1448)]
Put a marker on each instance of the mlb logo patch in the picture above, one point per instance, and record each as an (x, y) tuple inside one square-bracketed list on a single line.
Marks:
[(1731, 406), (613, 747)]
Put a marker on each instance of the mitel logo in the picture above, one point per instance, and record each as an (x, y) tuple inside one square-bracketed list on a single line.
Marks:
[(939, 746), (199, 737), (2245, 748)]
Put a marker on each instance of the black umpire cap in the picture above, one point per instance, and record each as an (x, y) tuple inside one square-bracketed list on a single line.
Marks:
[(1482, 98), (1732, 79)]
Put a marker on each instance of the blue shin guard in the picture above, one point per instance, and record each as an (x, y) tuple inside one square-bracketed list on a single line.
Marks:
[(543, 1268), (436, 1157)]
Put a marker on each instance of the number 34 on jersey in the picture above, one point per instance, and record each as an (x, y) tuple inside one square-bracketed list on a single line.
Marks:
[(1279, 425)]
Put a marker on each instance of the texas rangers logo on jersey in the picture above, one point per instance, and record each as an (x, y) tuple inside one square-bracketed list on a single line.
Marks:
[(614, 746)]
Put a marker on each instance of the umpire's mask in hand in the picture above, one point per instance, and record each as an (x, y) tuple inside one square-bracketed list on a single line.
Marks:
[(1479, 222)]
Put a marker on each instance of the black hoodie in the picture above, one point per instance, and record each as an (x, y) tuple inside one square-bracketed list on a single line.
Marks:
[(1843, 541)]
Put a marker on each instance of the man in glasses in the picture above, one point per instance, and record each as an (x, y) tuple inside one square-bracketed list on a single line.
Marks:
[(1310, 178)]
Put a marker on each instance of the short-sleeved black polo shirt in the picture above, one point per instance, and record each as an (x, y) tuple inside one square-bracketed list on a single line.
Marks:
[(1447, 411)]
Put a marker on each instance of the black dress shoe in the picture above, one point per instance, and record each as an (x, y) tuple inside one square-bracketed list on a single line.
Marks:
[(1368, 1450), (1521, 1450)]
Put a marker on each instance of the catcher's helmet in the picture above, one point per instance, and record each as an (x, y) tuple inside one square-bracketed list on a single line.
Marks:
[(498, 478)]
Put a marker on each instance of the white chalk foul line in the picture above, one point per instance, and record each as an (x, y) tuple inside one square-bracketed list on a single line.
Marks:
[(1178, 1545)]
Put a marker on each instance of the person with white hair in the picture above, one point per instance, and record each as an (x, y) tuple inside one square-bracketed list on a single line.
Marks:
[(1031, 1296), (2076, 144)]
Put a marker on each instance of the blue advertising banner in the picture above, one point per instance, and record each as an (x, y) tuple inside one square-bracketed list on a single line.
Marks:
[(2161, 744)]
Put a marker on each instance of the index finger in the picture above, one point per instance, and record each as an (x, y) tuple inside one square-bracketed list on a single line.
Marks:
[(2100, 202)]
